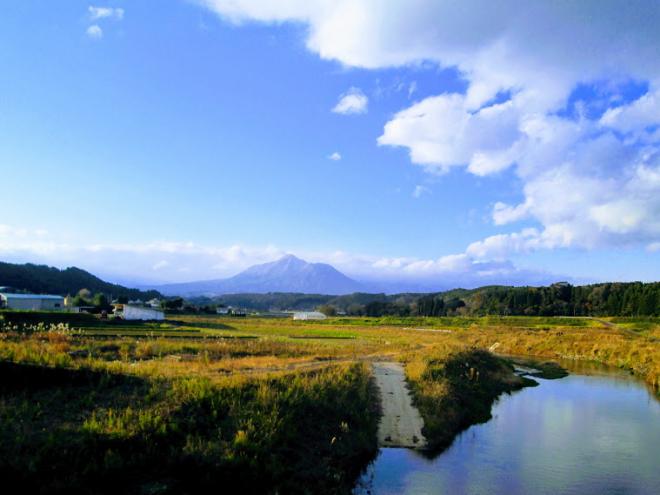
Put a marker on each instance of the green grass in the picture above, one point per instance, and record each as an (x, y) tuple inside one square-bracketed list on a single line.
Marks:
[(637, 324), (303, 433), (459, 321), (456, 390)]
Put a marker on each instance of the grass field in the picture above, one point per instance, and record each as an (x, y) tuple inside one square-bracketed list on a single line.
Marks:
[(260, 405)]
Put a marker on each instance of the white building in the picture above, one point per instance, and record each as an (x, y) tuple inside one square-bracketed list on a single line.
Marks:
[(31, 302), (154, 303), (309, 315), (139, 313)]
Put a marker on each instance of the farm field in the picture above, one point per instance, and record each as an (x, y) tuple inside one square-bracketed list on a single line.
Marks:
[(259, 404)]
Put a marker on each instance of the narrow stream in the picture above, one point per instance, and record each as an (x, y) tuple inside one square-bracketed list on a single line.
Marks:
[(583, 434)]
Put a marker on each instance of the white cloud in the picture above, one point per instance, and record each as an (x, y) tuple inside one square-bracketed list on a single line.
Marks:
[(96, 13), (498, 46), (8, 232), (584, 183), (354, 101), (503, 213), (160, 261), (167, 261), (161, 264), (501, 246), (419, 191), (441, 133), (336, 156), (95, 32), (620, 216), (636, 115)]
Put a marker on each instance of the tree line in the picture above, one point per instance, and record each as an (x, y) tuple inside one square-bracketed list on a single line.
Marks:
[(561, 299), (42, 279)]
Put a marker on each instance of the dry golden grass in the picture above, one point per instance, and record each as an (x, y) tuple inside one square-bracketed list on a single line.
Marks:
[(262, 386), (286, 345)]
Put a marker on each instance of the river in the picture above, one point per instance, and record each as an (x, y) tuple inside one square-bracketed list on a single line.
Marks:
[(595, 433)]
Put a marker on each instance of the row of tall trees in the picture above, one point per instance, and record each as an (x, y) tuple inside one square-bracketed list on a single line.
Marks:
[(562, 299)]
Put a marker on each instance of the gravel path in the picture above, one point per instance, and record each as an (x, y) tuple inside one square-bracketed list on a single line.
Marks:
[(401, 424)]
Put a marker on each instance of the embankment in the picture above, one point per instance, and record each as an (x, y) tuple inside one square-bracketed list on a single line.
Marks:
[(455, 391), (638, 353)]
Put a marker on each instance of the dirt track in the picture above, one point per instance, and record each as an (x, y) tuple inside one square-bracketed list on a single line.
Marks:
[(401, 424)]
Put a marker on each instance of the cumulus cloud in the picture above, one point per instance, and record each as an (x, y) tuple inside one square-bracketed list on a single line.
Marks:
[(441, 133), (587, 181), (634, 116), (336, 156), (95, 32), (162, 261), (354, 101), (96, 13), (497, 46), (503, 213), (501, 246), (168, 261)]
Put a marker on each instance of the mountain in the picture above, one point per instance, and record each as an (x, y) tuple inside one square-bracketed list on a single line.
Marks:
[(288, 274), (42, 279)]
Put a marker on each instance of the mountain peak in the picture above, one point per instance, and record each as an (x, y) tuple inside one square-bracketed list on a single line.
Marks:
[(287, 274), (289, 256), (291, 259)]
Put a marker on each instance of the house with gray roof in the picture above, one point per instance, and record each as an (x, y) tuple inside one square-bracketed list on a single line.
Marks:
[(31, 302)]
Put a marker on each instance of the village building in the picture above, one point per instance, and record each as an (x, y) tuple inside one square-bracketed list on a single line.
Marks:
[(130, 312), (309, 315), (31, 302), (153, 303)]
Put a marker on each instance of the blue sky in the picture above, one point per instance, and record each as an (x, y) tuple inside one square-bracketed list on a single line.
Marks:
[(182, 140)]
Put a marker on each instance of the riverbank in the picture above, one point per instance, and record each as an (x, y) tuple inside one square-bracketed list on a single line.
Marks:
[(455, 391), (635, 351)]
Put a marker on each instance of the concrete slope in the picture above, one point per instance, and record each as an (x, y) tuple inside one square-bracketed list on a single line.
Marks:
[(401, 424)]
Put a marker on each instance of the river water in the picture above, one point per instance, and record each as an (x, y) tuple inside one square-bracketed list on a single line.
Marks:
[(583, 434)]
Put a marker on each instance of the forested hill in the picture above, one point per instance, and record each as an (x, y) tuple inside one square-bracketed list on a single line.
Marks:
[(42, 279), (562, 299)]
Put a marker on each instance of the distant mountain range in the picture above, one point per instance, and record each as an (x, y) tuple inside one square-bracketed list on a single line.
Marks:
[(288, 274), (291, 283)]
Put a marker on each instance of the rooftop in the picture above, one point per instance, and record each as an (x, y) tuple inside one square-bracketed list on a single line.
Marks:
[(9, 295)]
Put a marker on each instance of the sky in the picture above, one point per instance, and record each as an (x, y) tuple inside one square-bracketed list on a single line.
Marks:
[(442, 143)]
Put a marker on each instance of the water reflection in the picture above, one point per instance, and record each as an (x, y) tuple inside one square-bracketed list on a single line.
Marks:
[(578, 435)]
